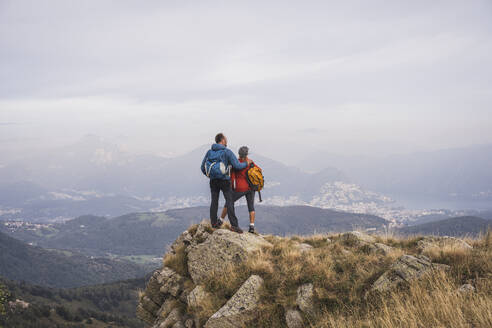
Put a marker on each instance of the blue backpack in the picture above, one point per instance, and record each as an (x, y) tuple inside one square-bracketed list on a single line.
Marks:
[(215, 166)]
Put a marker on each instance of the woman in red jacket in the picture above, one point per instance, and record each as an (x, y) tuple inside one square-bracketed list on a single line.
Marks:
[(240, 187)]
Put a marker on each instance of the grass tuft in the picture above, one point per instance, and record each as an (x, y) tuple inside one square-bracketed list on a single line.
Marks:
[(178, 261)]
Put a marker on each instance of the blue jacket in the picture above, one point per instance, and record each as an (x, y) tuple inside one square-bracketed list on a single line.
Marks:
[(230, 158)]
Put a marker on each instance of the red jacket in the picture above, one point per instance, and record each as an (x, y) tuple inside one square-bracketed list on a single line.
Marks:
[(239, 179)]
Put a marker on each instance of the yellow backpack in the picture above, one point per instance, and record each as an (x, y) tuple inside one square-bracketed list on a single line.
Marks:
[(255, 179)]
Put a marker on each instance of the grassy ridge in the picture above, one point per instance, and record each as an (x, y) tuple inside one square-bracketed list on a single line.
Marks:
[(342, 274)]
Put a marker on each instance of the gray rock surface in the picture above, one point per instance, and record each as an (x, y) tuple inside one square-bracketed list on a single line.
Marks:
[(240, 309), (149, 305), (197, 296), (145, 315), (166, 308), (303, 247), (153, 288), (405, 269), (179, 324), (220, 250), (293, 319), (305, 298), (170, 281), (173, 317), (466, 288), (184, 240)]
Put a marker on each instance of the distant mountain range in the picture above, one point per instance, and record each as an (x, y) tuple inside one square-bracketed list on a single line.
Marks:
[(449, 178), (96, 177), (22, 262), (149, 233), (459, 226)]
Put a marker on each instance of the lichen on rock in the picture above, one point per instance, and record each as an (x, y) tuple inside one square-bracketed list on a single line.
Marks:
[(240, 308), (219, 251)]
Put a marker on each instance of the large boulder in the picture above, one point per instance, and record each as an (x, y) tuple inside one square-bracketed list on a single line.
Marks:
[(241, 308), (220, 250), (405, 269), (440, 243)]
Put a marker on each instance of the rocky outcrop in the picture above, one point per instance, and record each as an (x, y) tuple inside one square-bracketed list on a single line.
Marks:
[(185, 291), (240, 309), (169, 294), (405, 269), (220, 250)]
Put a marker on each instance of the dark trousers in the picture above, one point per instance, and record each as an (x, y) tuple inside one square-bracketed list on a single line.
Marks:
[(216, 185)]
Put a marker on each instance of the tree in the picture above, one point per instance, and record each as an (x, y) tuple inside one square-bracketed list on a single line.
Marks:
[(4, 296)]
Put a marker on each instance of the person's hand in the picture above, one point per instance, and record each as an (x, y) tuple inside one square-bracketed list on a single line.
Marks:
[(249, 161)]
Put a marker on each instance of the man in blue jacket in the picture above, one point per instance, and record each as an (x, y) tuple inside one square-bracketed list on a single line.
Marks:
[(217, 165)]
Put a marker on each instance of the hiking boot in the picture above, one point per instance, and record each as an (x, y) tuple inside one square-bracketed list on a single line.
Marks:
[(252, 229), (218, 224), (236, 229)]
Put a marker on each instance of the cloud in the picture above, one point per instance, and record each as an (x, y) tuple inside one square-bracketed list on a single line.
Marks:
[(9, 123), (353, 73)]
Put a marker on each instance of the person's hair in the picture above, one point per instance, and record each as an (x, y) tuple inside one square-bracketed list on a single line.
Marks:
[(219, 137), (243, 152)]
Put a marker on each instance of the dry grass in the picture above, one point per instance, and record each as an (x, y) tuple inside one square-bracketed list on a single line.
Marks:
[(342, 274), (431, 302), (140, 294), (178, 262)]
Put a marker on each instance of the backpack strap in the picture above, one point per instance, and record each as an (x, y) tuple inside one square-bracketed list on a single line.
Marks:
[(259, 195)]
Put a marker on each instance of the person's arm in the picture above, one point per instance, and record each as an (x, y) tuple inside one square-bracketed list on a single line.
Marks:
[(203, 164), (236, 164)]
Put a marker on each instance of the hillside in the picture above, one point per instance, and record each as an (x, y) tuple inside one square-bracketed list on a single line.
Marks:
[(22, 262), (218, 278), (458, 226), (149, 233), (95, 306)]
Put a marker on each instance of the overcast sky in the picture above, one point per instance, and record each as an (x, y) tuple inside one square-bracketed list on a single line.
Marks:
[(286, 78)]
